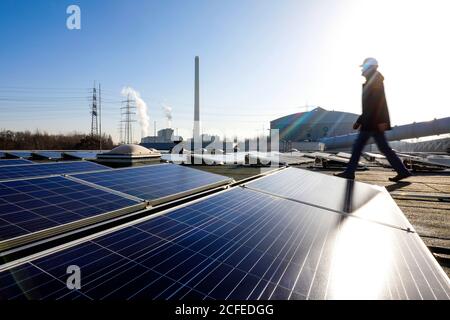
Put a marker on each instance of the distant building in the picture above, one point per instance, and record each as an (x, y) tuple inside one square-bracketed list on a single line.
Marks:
[(313, 125), (165, 140), (164, 136)]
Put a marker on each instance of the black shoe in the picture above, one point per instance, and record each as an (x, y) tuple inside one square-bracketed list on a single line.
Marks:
[(399, 177), (344, 175)]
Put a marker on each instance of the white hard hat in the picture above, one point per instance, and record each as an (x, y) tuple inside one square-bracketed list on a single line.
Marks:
[(368, 63)]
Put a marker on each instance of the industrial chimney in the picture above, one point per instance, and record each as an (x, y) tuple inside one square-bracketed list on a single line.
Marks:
[(197, 101)]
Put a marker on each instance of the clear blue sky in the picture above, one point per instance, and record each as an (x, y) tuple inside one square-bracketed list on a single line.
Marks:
[(260, 59)]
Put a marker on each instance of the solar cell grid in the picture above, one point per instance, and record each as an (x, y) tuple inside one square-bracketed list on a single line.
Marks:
[(154, 181), (27, 206), (45, 169), (240, 244), (13, 162)]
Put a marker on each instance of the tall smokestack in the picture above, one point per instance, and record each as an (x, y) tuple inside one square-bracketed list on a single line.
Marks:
[(197, 100)]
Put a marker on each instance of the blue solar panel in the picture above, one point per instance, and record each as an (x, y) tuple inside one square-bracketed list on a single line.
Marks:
[(155, 182), (239, 244), (19, 154), (332, 193), (13, 162), (87, 155), (32, 205), (44, 169), (50, 155)]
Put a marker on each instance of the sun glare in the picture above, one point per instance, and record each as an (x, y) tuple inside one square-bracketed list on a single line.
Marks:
[(361, 261), (409, 40)]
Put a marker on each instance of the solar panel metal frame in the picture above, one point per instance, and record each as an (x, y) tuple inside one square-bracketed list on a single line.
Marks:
[(171, 197), (72, 244), (25, 239)]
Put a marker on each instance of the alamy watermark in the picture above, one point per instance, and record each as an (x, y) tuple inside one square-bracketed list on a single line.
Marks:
[(73, 281), (73, 21), (262, 150)]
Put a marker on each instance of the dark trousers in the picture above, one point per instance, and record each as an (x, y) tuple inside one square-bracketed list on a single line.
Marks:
[(383, 146)]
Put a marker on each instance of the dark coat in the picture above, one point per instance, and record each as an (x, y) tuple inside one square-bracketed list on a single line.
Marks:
[(374, 105)]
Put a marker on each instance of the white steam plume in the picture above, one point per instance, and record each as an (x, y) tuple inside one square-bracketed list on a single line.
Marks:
[(168, 113), (141, 106)]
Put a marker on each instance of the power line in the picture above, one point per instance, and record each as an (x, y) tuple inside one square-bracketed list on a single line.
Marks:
[(94, 119), (42, 88), (100, 113), (120, 129), (128, 115)]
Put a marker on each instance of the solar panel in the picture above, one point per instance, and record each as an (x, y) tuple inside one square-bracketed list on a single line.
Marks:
[(418, 163), (19, 154), (155, 183), (206, 158), (175, 158), (49, 155), (13, 162), (267, 158), (332, 193), (238, 244), (45, 169), (32, 205), (439, 159), (81, 155)]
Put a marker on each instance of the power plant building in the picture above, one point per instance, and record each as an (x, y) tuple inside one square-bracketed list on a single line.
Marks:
[(314, 125), (164, 135)]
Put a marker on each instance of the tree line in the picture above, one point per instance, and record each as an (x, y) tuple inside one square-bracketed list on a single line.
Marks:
[(27, 140)]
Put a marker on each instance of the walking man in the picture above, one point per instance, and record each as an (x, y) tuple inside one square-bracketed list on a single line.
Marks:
[(373, 122)]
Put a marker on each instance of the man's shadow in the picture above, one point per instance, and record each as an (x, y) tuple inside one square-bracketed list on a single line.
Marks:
[(348, 205), (397, 185), (348, 196)]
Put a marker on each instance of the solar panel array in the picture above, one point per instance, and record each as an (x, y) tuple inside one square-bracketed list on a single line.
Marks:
[(45, 169), (240, 244), (38, 204), (155, 182), (266, 158), (32, 205), (13, 162)]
